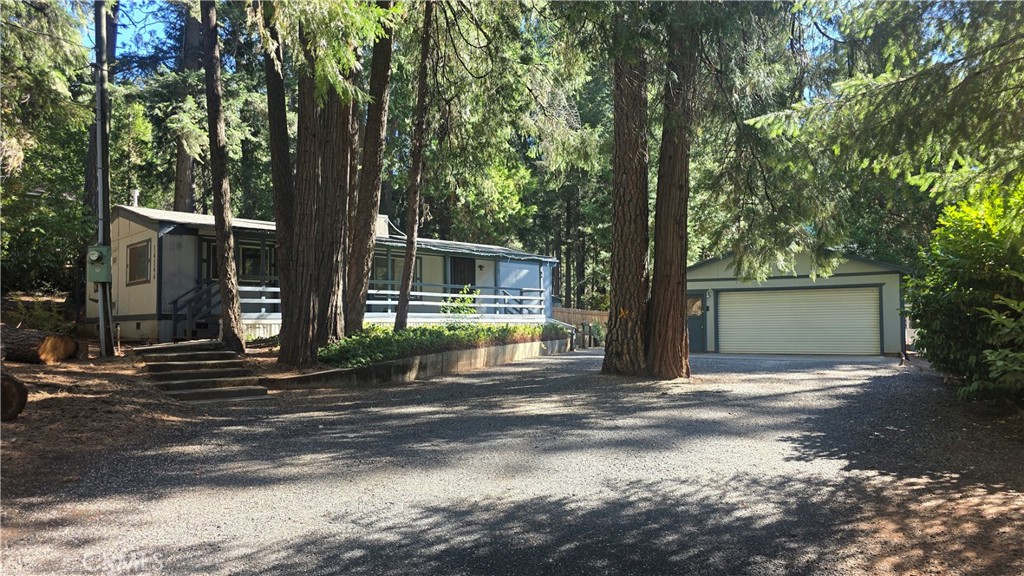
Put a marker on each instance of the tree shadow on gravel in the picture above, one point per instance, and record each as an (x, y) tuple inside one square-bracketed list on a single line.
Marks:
[(650, 528), (893, 432), (909, 425), (745, 525), (942, 487), (553, 407)]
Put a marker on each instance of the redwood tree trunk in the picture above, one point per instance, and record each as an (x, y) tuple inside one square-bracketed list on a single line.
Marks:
[(669, 346), (298, 336), (570, 250), (331, 225), (363, 240), (627, 319), (184, 171), (281, 177), (412, 213), (580, 247), (231, 315)]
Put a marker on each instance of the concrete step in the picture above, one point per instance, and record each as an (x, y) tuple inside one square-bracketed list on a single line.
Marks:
[(199, 374), (193, 365), (206, 383), (206, 394), (189, 357), (190, 346), (236, 399)]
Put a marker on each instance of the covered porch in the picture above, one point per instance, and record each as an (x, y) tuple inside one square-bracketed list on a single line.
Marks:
[(451, 284)]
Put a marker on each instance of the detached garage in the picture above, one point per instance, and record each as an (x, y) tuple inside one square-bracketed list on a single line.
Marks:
[(857, 310)]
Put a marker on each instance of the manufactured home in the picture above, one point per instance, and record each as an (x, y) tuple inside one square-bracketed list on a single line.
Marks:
[(856, 310), (164, 270)]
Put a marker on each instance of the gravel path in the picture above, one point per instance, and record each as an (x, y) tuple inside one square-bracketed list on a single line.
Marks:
[(756, 466)]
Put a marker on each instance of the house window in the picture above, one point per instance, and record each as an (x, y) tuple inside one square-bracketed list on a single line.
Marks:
[(396, 271), (249, 261), (387, 274), (209, 261), (379, 273), (138, 263)]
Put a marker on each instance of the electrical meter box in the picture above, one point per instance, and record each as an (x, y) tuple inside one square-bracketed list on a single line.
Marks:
[(97, 265)]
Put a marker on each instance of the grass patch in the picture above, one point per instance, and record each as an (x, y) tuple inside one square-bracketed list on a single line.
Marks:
[(378, 344)]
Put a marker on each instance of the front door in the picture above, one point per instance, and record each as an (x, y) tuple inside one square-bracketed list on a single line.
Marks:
[(463, 271), (696, 322)]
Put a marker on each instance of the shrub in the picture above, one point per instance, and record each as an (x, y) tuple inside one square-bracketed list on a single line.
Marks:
[(1005, 359), (963, 305), (461, 304), (40, 239), (38, 314), (377, 344)]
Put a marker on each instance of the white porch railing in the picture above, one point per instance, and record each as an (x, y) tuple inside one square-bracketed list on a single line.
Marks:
[(431, 304), (525, 306)]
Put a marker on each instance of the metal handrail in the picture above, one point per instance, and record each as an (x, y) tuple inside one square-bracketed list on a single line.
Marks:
[(520, 301), (194, 303)]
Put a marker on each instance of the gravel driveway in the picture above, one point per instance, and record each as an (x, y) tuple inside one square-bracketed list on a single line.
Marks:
[(757, 466)]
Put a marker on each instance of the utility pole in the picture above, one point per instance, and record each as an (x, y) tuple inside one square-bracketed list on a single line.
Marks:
[(103, 175)]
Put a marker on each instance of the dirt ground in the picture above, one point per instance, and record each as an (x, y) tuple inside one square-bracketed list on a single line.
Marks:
[(79, 407), (92, 405)]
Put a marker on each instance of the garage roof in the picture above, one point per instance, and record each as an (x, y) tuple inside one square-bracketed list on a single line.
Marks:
[(851, 257)]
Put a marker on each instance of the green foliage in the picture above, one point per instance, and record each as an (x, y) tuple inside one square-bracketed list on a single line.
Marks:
[(328, 33), (462, 304), (43, 62), (40, 242), (133, 161), (380, 344), (925, 95), (1006, 359), (900, 106), (599, 332), (38, 315), (42, 221), (966, 303)]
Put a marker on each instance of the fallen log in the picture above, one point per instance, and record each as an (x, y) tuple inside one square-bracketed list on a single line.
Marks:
[(13, 396), (35, 346)]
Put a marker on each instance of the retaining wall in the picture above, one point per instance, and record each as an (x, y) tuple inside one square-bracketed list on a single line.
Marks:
[(417, 367)]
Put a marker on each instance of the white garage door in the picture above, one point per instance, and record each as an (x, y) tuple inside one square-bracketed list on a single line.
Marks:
[(813, 321)]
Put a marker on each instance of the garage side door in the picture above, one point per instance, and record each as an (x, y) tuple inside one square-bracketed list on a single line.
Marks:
[(814, 321)]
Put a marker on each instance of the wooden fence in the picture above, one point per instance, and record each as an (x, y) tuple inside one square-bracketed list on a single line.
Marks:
[(576, 317)]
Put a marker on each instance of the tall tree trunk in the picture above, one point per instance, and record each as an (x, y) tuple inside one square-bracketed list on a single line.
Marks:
[(298, 343), (668, 355), (556, 278), (336, 148), (412, 213), (569, 252), (581, 258), (184, 170), (363, 240), (231, 315), (579, 248), (280, 175), (627, 319)]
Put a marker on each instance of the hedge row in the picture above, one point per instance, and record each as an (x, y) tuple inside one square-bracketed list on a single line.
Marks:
[(381, 344)]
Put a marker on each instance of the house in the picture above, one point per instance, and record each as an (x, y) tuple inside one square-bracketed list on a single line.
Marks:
[(856, 310), (164, 270)]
